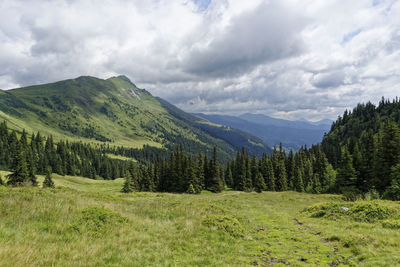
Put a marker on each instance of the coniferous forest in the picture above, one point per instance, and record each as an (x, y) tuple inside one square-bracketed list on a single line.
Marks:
[(360, 155)]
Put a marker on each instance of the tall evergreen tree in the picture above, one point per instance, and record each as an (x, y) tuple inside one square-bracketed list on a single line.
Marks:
[(388, 155), (346, 175), (31, 167), (48, 181), (128, 186), (19, 175), (215, 184), (259, 183)]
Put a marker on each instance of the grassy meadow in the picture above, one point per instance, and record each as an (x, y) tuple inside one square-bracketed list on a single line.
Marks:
[(86, 222)]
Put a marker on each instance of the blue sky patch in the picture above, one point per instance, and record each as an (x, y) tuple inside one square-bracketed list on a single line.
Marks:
[(202, 4), (348, 37)]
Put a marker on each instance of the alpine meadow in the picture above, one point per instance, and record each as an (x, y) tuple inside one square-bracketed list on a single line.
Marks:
[(268, 133)]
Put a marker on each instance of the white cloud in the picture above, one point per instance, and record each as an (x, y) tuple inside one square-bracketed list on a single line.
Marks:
[(287, 58)]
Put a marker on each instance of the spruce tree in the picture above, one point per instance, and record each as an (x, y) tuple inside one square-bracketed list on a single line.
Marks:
[(393, 191), (346, 174), (259, 184), (215, 183), (19, 175), (366, 177), (280, 175), (48, 181), (269, 174), (388, 155), (127, 188), (248, 184), (290, 170), (229, 176), (298, 182), (31, 167)]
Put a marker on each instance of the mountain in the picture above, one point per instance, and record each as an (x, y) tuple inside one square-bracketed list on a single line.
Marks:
[(292, 134), (115, 111)]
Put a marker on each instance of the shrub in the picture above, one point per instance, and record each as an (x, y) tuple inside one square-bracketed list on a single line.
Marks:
[(351, 194), (97, 220), (391, 224), (363, 211), (226, 223), (372, 194)]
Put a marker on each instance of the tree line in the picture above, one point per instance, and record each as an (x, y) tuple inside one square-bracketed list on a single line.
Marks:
[(305, 171), (180, 173), (26, 157), (364, 147), (360, 155)]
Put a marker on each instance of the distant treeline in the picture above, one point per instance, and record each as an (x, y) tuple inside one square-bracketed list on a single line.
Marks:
[(359, 156), (305, 171), (37, 154)]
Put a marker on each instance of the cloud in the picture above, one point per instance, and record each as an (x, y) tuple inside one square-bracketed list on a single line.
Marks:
[(266, 33), (285, 58)]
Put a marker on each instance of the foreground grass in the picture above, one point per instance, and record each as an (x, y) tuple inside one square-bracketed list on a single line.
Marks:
[(61, 227)]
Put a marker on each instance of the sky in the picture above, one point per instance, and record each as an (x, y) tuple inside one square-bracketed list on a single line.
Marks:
[(289, 59)]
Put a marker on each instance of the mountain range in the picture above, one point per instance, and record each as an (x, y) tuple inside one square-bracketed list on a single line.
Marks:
[(116, 112), (292, 134)]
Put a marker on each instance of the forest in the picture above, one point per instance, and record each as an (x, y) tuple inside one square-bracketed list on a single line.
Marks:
[(360, 156)]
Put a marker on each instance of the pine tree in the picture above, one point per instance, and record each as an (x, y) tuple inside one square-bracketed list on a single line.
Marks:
[(127, 188), (388, 155), (259, 184), (248, 184), (290, 170), (254, 169), (19, 175), (268, 173), (280, 174), (215, 184), (229, 176), (298, 174), (48, 181), (365, 180), (31, 167), (346, 174), (393, 191)]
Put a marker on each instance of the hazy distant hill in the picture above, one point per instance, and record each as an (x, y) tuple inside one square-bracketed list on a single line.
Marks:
[(292, 134), (115, 111)]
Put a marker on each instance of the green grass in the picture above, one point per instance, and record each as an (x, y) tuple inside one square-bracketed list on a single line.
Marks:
[(89, 223)]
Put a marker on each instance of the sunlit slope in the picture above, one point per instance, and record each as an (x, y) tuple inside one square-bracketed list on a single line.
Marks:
[(97, 110)]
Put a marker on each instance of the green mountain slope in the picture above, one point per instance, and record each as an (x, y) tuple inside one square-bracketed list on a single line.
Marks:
[(112, 110)]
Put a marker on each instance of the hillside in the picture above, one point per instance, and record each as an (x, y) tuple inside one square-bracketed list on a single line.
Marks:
[(364, 146), (292, 134), (86, 222), (113, 111)]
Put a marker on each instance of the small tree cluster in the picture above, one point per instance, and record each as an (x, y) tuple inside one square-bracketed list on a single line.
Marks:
[(304, 171), (179, 173)]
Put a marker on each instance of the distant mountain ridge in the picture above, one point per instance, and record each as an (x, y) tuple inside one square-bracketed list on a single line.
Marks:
[(115, 111), (292, 134)]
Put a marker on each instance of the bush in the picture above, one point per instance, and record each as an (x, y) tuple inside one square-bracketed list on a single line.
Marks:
[(226, 223), (97, 220), (351, 194), (363, 211), (392, 192), (372, 194), (391, 224)]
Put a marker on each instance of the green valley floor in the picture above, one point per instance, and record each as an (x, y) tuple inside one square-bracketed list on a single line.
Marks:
[(90, 223)]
